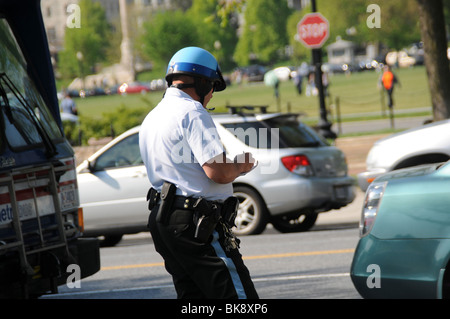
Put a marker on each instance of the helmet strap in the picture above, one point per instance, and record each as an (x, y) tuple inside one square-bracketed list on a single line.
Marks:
[(183, 85), (202, 87)]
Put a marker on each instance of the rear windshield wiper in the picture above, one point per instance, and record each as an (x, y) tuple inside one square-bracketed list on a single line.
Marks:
[(311, 144), (5, 80)]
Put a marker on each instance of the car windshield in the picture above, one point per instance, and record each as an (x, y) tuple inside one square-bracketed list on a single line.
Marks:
[(124, 153), (25, 118), (291, 132)]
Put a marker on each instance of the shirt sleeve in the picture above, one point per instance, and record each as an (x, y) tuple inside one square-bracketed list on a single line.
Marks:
[(203, 138)]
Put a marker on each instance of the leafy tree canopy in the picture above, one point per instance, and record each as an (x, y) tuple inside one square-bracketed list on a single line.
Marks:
[(264, 32), (91, 40), (166, 33)]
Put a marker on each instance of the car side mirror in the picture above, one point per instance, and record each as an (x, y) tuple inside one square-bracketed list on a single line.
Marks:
[(87, 166), (90, 166)]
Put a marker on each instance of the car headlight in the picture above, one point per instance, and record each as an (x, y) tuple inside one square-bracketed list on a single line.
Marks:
[(372, 201)]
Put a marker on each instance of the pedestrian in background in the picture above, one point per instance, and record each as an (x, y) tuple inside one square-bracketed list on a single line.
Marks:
[(68, 105), (388, 80)]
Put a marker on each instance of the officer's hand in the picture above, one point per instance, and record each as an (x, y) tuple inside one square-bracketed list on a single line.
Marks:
[(245, 161)]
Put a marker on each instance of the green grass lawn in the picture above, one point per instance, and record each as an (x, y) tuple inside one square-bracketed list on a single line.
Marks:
[(358, 93)]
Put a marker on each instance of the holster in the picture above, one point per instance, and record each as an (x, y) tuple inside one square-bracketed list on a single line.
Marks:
[(152, 198), (206, 217), (167, 197), (229, 211)]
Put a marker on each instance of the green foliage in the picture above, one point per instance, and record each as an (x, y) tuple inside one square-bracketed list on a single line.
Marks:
[(91, 40), (109, 124), (300, 53), (264, 33), (219, 39), (71, 130), (399, 21), (166, 33)]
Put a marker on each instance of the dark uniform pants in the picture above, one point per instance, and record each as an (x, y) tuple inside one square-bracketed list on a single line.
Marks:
[(200, 270)]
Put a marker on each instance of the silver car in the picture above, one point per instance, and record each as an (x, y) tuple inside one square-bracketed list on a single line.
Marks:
[(298, 176)]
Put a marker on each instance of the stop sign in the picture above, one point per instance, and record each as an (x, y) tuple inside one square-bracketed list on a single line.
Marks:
[(313, 30)]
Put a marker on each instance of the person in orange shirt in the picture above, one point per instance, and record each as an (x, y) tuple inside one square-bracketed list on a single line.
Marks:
[(388, 80)]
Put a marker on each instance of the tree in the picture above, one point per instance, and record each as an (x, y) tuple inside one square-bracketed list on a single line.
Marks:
[(218, 38), (399, 22), (432, 25), (264, 32), (166, 33), (86, 46)]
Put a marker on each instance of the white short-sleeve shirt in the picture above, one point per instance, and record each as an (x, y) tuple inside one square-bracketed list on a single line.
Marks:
[(176, 138)]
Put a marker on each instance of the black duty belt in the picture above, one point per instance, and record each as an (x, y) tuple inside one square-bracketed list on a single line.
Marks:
[(179, 202), (207, 213), (189, 203)]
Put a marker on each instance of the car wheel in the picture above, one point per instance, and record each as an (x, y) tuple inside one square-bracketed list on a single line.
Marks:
[(110, 240), (295, 223), (251, 217)]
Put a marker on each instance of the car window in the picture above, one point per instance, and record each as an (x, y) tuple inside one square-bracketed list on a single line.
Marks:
[(253, 134), (294, 133), (124, 153), (291, 133)]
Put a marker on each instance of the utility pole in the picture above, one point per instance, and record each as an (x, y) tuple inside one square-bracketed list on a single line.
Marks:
[(324, 125)]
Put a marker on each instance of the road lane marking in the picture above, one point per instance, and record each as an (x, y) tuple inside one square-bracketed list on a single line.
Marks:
[(132, 266), (298, 254), (299, 277), (170, 286), (285, 255)]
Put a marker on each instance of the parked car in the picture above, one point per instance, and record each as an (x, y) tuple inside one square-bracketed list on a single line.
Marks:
[(299, 175), (424, 145), (254, 72), (133, 87), (404, 249)]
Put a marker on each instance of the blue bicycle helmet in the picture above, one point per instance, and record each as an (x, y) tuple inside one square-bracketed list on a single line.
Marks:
[(198, 63)]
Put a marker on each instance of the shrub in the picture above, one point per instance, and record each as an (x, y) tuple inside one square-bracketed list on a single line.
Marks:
[(110, 124)]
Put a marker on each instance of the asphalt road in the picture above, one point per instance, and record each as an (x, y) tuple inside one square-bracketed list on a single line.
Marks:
[(309, 265)]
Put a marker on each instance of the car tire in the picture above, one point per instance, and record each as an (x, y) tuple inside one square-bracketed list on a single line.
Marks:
[(295, 223), (110, 240), (251, 218)]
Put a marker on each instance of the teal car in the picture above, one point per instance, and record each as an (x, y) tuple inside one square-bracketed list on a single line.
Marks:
[(404, 249)]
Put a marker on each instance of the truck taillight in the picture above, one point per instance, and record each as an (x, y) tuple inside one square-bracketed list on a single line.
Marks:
[(298, 164), (80, 219)]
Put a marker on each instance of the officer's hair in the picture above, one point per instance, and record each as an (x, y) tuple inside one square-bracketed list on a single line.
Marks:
[(182, 77)]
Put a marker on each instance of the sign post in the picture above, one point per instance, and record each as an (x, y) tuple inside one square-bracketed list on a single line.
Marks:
[(313, 31)]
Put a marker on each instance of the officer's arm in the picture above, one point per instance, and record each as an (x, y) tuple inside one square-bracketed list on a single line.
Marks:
[(223, 171)]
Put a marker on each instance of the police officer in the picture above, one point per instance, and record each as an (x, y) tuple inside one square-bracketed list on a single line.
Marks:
[(191, 203)]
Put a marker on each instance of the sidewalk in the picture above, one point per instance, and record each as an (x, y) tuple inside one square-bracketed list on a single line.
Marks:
[(379, 125)]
